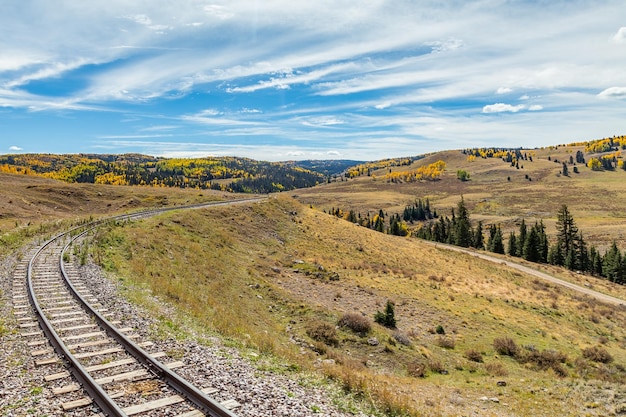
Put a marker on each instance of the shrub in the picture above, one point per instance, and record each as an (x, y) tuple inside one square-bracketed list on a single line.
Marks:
[(416, 369), (597, 354), (440, 330), (496, 369), (386, 318), (436, 366), (505, 346), (445, 342), (355, 322), (322, 332), (474, 355), (545, 359)]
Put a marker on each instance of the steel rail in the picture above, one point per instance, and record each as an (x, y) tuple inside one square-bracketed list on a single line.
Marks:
[(95, 391), (187, 390)]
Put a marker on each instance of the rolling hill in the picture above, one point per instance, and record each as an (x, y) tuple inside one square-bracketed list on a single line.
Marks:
[(300, 290)]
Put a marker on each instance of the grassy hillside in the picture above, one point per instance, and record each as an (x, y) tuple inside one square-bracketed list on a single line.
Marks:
[(31, 204), (217, 173), (277, 276), (496, 192)]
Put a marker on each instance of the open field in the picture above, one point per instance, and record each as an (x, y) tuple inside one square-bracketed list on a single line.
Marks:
[(597, 200), (276, 277), (31, 205)]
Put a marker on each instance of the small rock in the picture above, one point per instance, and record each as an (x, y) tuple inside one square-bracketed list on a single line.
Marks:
[(372, 341), (494, 400), (501, 383), (484, 398), (276, 269)]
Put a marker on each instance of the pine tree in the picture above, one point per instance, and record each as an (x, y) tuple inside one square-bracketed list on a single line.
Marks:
[(521, 241), (498, 244), (478, 240), (462, 227), (613, 265), (531, 246), (566, 230), (565, 170), (386, 318), (512, 249)]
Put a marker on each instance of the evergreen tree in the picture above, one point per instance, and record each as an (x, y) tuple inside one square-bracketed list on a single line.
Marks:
[(582, 255), (531, 246), (565, 170), (512, 249), (386, 318), (543, 242), (613, 265), (478, 240), (498, 244), (492, 235), (555, 255), (566, 230), (521, 241)]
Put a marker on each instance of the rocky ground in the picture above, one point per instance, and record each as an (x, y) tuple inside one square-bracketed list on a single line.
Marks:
[(260, 392)]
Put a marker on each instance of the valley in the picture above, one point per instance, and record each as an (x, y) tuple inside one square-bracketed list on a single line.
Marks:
[(285, 283)]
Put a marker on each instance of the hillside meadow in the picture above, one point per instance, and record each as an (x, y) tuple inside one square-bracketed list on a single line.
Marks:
[(276, 278), (496, 192)]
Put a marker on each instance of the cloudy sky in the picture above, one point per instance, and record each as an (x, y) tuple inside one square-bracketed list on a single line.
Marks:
[(293, 79)]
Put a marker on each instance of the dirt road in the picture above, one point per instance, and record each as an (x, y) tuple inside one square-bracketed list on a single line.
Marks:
[(595, 294)]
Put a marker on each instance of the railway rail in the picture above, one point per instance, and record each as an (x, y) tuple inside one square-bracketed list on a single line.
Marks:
[(98, 361)]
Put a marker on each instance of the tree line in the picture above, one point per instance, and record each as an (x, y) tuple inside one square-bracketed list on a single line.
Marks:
[(245, 175), (531, 242)]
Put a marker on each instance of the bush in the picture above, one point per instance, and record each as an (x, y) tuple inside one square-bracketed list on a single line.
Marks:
[(505, 346), (387, 318), (440, 330), (474, 355), (597, 354), (445, 342), (496, 369), (322, 332), (416, 369), (545, 359), (463, 175), (436, 366), (355, 322)]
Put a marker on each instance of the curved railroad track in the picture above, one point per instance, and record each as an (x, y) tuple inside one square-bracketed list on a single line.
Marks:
[(95, 361)]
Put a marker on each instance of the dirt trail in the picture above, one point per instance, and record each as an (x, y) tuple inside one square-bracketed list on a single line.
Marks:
[(595, 294)]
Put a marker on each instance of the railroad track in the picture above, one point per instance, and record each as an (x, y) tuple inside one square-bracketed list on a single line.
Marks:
[(97, 364)]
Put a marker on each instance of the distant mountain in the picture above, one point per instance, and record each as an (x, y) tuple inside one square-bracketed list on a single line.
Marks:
[(223, 173), (327, 167)]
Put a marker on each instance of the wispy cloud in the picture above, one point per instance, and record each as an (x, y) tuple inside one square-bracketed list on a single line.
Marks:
[(386, 78), (15, 148), (620, 36), (615, 92)]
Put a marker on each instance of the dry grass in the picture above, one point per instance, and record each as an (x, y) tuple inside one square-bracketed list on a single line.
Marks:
[(258, 255)]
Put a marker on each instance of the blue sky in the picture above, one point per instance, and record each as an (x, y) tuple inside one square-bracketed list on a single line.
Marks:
[(289, 79)]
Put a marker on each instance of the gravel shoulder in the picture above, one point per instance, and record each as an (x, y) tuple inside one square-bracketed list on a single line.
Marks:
[(261, 390)]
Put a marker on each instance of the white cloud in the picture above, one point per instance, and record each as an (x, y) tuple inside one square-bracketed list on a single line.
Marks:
[(535, 107), (323, 121), (524, 97), (218, 11), (618, 92), (382, 106), (504, 90), (620, 36), (502, 107), (15, 148)]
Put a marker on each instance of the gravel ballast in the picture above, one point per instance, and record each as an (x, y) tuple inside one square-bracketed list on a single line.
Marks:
[(23, 391)]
